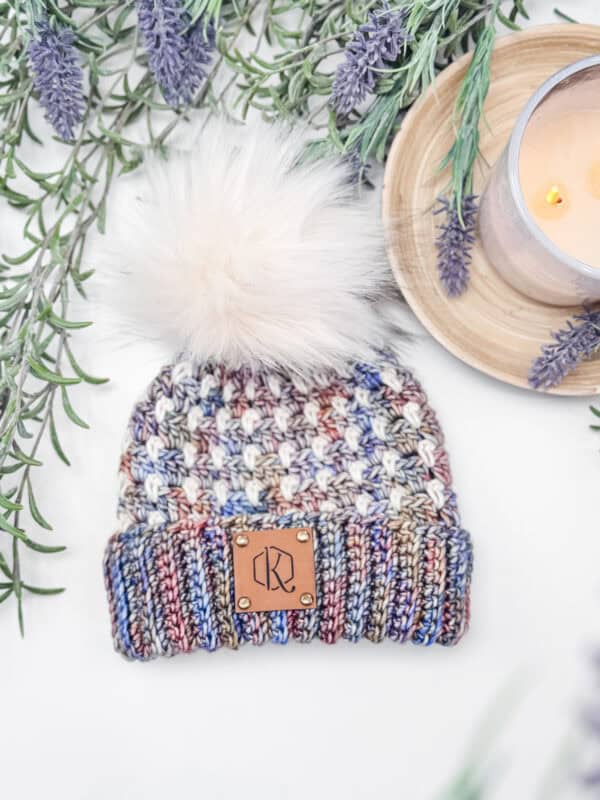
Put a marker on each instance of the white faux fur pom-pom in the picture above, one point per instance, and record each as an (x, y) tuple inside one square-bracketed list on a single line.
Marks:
[(236, 250)]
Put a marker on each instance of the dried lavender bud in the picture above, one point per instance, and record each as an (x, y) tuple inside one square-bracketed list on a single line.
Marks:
[(374, 44), (455, 243), (358, 170), (572, 345), (176, 52), (591, 780), (57, 75)]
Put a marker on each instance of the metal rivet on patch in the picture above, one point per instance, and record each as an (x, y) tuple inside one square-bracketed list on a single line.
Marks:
[(303, 536), (244, 603), (241, 540), (306, 599)]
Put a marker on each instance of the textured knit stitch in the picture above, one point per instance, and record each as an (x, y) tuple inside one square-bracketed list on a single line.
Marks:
[(358, 458)]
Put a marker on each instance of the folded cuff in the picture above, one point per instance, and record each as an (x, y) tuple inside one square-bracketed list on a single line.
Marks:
[(171, 589)]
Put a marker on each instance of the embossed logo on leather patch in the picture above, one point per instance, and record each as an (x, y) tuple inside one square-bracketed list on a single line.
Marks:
[(274, 570)]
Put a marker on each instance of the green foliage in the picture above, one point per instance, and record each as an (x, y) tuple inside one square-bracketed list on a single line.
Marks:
[(39, 368), (296, 77), (468, 111), (278, 58)]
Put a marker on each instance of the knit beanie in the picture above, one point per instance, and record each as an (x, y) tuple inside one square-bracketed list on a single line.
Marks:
[(285, 477)]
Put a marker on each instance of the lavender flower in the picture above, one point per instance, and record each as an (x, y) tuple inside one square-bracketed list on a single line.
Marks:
[(374, 44), (572, 345), (591, 779), (589, 773), (57, 75), (176, 52), (591, 776), (455, 242), (358, 170)]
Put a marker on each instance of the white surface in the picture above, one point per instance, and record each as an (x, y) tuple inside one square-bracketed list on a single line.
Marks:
[(79, 723)]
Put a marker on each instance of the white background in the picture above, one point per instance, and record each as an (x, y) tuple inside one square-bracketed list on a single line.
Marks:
[(79, 723)]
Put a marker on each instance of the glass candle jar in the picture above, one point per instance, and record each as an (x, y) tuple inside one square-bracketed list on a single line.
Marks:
[(539, 220)]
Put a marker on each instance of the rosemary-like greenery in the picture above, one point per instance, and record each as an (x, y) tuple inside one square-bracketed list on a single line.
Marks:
[(459, 207), (468, 110), (277, 57)]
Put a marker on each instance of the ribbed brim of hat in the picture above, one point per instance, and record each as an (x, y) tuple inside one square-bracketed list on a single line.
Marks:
[(171, 589)]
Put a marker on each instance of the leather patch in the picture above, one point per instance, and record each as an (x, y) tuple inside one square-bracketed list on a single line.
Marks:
[(274, 570)]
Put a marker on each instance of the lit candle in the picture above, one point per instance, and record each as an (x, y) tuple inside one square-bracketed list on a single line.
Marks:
[(540, 213)]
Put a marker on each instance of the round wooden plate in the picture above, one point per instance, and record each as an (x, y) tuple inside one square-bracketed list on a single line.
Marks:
[(491, 326)]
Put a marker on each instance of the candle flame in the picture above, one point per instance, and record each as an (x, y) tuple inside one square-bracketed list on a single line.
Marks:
[(554, 197)]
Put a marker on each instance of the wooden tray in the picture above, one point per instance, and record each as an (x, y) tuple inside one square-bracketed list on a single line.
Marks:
[(491, 327)]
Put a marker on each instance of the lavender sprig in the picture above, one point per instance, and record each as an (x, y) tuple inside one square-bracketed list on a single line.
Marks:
[(457, 236), (57, 75), (358, 170), (376, 43), (589, 773), (176, 52), (572, 345), (591, 777), (455, 243)]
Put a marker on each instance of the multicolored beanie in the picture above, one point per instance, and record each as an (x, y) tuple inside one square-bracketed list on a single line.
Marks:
[(274, 488)]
